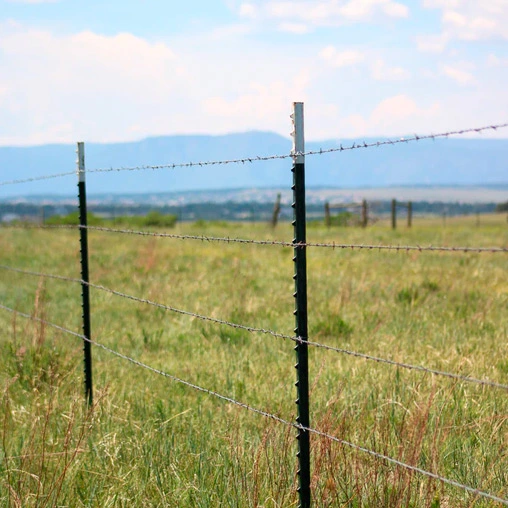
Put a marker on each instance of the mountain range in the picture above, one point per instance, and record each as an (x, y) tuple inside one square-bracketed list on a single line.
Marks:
[(443, 161)]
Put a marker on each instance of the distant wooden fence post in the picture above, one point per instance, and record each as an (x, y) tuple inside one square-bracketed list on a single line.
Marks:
[(328, 219), (365, 217), (276, 211), (408, 206)]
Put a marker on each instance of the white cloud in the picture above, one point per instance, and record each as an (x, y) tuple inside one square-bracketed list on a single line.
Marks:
[(472, 20), (390, 115), (247, 10), (260, 99), (397, 108), (295, 28), (59, 88), (125, 53), (382, 72), (459, 74), (432, 43), (441, 4), (341, 58), (494, 61), (111, 88), (324, 12), (62, 86), (362, 10), (379, 70)]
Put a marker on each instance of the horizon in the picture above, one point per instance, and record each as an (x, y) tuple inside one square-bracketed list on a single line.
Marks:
[(254, 160), (451, 193), (480, 137)]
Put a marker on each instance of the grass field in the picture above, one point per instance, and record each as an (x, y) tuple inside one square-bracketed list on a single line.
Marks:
[(150, 441)]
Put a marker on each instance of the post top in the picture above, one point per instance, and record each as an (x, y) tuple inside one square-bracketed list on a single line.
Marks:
[(298, 133), (80, 162)]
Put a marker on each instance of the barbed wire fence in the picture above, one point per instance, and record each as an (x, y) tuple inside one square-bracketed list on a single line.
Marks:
[(390, 460), (300, 339)]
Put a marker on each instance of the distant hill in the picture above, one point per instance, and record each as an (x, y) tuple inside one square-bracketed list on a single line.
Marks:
[(440, 162)]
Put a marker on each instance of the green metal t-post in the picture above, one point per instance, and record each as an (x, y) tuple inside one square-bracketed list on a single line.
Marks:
[(300, 261), (85, 288)]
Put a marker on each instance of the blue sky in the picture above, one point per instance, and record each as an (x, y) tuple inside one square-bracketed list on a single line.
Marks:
[(121, 70)]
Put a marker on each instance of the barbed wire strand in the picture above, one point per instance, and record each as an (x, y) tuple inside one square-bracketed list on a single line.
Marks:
[(321, 151), (251, 329), (300, 244), (408, 366), (281, 243), (37, 178), (419, 368), (259, 158), (266, 414)]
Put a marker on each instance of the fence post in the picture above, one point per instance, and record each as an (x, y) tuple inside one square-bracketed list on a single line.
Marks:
[(276, 211), (300, 261), (365, 214), (394, 214), (328, 219), (409, 214), (85, 288)]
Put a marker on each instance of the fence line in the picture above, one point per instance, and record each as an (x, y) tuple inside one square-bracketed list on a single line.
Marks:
[(258, 158), (251, 329), (266, 414), (283, 243), (280, 243), (299, 244)]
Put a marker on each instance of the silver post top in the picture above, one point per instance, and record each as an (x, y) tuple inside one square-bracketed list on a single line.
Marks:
[(80, 161), (298, 133)]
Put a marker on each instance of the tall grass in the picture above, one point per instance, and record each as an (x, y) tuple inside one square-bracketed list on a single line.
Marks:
[(148, 441)]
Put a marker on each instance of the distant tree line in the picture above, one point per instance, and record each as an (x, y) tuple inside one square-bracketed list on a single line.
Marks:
[(152, 218), (229, 211)]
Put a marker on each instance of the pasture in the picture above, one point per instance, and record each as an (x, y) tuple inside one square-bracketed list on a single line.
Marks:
[(151, 441)]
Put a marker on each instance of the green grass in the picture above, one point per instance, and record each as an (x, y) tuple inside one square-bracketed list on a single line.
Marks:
[(149, 441)]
